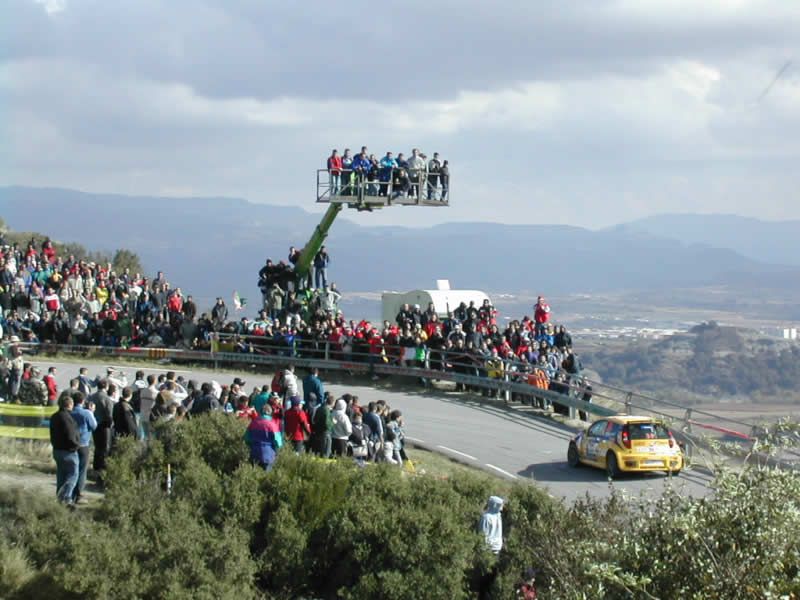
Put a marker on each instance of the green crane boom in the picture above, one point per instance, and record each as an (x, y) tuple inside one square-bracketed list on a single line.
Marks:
[(313, 245)]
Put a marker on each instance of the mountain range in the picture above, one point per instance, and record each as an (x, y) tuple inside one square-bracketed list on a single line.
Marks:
[(767, 241), (212, 246)]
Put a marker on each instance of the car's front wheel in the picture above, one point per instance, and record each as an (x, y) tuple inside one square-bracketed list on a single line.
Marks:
[(572, 455), (612, 467)]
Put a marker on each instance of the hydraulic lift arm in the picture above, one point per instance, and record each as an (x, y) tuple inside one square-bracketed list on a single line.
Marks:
[(316, 241)]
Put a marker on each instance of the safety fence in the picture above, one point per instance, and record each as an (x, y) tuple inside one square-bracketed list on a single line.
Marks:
[(455, 367), (622, 401)]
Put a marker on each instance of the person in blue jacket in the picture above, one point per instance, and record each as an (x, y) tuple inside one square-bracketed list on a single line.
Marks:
[(361, 168), (385, 173), (312, 384), (264, 437)]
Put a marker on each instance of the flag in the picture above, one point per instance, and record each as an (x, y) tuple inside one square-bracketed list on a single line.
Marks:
[(238, 302)]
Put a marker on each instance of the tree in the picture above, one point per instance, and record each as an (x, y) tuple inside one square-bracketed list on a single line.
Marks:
[(125, 259)]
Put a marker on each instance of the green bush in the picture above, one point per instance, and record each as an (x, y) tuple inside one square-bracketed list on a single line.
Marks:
[(16, 570), (329, 529)]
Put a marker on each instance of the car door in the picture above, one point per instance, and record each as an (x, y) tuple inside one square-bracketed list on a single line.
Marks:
[(593, 440)]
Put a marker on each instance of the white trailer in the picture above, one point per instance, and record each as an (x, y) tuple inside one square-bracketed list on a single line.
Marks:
[(443, 299)]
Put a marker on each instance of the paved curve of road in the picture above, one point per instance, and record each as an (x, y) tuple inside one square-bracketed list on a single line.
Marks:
[(511, 443)]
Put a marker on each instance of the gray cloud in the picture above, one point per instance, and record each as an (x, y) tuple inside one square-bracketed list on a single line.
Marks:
[(588, 113)]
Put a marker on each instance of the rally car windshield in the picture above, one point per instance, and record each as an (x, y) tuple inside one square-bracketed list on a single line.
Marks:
[(648, 431)]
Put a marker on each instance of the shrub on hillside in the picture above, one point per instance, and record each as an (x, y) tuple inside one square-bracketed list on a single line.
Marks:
[(327, 529), (324, 528)]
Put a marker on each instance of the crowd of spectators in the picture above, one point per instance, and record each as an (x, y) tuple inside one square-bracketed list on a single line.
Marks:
[(468, 341), (48, 298), (299, 414), (389, 176), (45, 297)]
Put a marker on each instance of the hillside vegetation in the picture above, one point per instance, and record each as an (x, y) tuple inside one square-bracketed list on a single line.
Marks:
[(325, 529), (710, 360), (119, 260)]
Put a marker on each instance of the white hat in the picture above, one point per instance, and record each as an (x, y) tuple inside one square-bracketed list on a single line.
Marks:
[(14, 339)]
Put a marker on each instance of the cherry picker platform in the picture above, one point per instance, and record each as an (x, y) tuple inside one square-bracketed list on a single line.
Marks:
[(404, 187)]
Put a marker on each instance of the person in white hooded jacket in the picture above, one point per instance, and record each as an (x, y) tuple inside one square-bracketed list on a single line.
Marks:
[(342, 428), (289, 383), (491, 524)]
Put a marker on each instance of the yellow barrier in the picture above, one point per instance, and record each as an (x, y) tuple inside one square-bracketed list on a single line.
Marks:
[(29, 433), (25, 410), (25, 413)]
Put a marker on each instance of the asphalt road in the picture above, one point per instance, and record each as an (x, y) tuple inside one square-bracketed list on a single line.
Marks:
[(510, 442)]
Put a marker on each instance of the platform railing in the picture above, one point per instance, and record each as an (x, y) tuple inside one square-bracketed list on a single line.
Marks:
[(354, 187)]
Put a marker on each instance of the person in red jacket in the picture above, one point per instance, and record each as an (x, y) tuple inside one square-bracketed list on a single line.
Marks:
[(335, 172), (175, 302), (244, 411), (49, 251), (52, 387), (296, 426), (541, 314)]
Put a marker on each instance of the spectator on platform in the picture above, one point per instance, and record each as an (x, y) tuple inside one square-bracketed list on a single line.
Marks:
[(444, 178), (335, 172), (385, 167), (321, 262), (401, 184), (434, 166), (416, 168), (348, 176), (361, 166)]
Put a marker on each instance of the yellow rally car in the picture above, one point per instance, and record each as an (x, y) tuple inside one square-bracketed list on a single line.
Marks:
[(622, 444)]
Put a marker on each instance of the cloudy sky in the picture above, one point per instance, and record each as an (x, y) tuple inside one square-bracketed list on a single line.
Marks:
[(586, 112)]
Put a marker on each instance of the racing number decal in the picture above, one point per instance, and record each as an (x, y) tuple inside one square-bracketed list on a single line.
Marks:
[(593, 447)]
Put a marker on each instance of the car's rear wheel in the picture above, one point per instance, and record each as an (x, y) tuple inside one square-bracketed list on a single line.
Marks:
[(674, 472), (572, 455), (612, 468)]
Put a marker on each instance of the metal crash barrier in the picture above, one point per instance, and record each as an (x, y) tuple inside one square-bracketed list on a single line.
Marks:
[(606, 400)]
